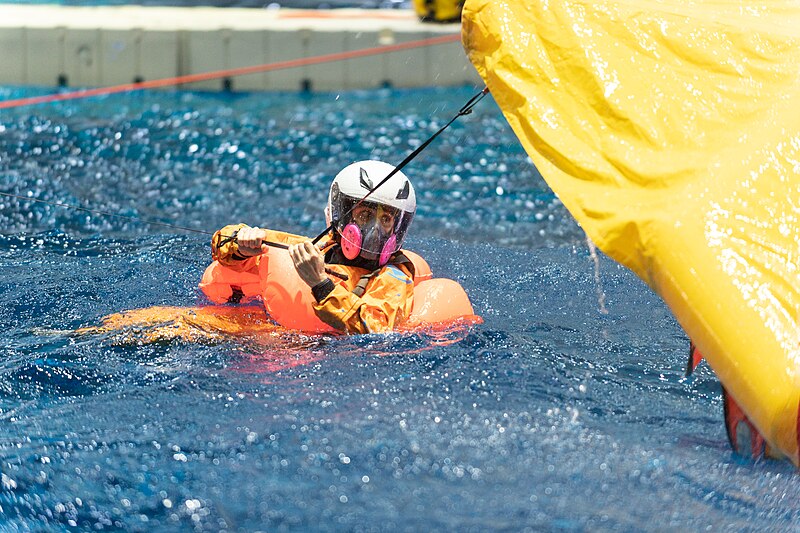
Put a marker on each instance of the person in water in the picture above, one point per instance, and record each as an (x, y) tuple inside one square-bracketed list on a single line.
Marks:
[(373, 291)]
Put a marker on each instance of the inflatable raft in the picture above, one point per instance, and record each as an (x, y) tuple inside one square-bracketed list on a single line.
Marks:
[(671, 131)]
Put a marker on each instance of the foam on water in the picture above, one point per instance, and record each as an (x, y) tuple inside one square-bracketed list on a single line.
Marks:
[(552, 415)]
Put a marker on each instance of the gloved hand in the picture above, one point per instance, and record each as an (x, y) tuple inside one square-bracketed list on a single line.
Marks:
[(250, 241), (309, 262)]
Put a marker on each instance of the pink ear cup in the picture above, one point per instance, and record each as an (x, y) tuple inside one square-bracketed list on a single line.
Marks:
[(351, 241), (388, 249)]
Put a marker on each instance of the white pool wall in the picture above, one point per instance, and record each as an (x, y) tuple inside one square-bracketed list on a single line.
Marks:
[(51, 45)]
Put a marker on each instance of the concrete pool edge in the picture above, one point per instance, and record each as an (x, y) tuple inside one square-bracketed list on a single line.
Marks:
[(52, 45)]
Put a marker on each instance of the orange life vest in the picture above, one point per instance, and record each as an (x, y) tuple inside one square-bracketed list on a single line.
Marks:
[(288, 300)]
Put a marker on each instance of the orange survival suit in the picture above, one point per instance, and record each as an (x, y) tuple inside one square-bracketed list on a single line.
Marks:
[(369, 301)]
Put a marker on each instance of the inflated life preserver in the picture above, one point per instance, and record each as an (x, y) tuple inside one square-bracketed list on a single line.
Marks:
[(289, 302), (438, 10)]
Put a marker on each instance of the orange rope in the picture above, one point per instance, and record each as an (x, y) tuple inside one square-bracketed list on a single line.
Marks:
[(241, 71)]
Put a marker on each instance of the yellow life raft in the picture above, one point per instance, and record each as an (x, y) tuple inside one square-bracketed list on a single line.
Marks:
[(671, 131)]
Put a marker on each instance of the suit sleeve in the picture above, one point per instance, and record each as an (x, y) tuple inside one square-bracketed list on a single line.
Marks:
[(386, 303)]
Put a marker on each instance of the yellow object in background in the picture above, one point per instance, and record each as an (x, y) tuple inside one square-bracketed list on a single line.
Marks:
[(671, 131), (438, 10)]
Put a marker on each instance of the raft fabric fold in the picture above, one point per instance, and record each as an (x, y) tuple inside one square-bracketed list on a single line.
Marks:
[(671, 131)]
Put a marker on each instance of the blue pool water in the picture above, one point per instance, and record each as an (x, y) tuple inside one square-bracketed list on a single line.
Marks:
[(550, 416)]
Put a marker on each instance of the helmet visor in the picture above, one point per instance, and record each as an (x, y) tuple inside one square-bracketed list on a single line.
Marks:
[(381, 229)]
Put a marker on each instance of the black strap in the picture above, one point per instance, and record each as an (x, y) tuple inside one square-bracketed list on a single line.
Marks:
[(361, 286)]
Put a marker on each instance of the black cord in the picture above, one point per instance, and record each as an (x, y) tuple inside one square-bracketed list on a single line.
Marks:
[(466, 109)]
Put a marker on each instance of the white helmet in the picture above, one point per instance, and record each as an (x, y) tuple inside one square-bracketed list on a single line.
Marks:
[(375, 228)]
